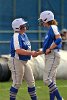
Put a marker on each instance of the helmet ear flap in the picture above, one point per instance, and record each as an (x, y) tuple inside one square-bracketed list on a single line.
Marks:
[(17, 29), (45, 19)]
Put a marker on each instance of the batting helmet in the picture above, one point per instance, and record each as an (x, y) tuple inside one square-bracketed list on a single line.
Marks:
[(46, 16), (17, 23)]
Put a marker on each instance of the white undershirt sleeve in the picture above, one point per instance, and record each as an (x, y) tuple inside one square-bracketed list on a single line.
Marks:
[(55, 29), (16, 41)]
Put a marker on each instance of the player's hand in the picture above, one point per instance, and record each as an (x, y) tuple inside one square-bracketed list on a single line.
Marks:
[(47, 51), (34, 54)]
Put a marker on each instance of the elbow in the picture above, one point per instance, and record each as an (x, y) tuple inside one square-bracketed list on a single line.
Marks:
[(58, 41), (17, 51)]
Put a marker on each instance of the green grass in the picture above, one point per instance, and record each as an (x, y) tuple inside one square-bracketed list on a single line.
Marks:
[(42, 90)]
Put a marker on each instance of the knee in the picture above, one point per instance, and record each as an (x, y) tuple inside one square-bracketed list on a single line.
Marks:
[(17, 86), (47, 81), (31, 84)]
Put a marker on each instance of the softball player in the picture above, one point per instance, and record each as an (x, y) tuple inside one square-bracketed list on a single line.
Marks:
[(51, 48), (20, 53)]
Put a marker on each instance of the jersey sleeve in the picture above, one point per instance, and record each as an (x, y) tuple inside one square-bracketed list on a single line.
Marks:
[(16, 41), (55, 29)]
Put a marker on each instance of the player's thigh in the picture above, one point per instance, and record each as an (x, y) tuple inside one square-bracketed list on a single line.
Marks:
[(29, 76), (49, 60), (55, 66), (51, 64), (17, 71)]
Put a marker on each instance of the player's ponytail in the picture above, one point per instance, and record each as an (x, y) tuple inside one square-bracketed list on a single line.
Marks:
[(53, 22)]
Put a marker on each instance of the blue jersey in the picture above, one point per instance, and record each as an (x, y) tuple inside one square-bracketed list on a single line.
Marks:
[(50, 38), (20, 41)]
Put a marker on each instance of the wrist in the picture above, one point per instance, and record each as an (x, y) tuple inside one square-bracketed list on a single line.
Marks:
[(50, 49)]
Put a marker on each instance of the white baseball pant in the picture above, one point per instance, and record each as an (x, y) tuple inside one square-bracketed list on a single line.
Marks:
[(21, 70)]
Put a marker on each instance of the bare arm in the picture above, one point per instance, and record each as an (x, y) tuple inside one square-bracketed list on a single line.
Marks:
[(53, 45), (24, 52)]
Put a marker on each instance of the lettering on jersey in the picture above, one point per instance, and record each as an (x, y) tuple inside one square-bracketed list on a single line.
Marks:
[(28, 44)]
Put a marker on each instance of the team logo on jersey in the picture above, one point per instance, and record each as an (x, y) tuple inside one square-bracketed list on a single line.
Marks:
[(27, 43)]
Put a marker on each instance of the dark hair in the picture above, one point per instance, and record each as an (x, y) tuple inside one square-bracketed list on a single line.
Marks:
[(53, 22)]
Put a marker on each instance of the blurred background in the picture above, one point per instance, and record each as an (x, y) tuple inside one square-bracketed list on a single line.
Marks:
[(30, 11)]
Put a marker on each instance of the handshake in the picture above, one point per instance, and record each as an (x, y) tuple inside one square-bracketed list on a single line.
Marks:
[(36, 53), (39, 52)]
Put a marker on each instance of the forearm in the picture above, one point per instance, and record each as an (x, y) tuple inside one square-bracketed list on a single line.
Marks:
[(23, 52), (57, 42), (53, 46)]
